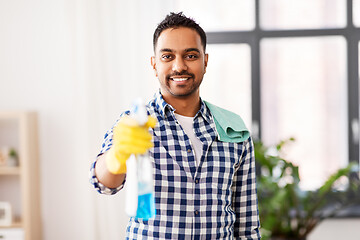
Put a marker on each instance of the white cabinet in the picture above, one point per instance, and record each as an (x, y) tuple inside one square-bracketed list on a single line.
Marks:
[(12, 234), (19, 185)]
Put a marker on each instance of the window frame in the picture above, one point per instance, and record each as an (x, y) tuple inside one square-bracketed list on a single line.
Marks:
[(253, 39)]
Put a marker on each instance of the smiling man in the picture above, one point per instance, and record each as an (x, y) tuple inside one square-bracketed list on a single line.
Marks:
[(180, 64), (204, 179)]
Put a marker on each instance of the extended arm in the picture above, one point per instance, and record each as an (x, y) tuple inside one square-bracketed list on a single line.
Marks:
[(104, 176), (126, 138)]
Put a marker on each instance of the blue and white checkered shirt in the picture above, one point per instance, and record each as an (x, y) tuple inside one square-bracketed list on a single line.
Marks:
[(215, 200)]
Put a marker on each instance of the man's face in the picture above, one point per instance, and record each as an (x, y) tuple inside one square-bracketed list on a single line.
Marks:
[(179, 62)]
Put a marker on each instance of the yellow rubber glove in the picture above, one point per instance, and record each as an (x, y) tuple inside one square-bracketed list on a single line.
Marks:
[(128, 138)]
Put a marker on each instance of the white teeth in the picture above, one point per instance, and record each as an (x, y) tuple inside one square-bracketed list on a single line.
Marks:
[(179, 79)]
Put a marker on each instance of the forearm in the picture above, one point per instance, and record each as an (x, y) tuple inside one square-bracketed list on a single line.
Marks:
[(108, 172), (104, 176)]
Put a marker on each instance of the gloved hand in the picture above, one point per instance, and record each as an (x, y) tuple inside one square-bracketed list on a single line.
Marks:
[(128, 138)]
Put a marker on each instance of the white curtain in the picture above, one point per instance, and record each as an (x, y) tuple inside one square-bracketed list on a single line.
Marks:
[(113, 49), (79, 64)]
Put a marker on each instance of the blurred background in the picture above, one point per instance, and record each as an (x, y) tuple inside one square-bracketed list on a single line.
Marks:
[(289, 68)]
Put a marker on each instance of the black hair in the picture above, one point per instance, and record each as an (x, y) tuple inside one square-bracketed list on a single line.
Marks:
[(176, 20)]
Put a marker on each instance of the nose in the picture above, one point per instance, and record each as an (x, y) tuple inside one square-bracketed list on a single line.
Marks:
[(179, 65)]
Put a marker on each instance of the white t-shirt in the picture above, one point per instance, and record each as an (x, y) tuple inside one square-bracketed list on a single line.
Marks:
[(187, 124)]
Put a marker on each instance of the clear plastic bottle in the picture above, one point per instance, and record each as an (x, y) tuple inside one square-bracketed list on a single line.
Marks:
[(140, 200)]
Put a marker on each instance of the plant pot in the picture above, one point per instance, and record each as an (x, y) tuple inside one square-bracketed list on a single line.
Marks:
[(12, 162)]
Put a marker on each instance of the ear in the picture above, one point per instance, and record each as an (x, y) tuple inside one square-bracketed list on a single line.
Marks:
[(153, 64), (206, 61)]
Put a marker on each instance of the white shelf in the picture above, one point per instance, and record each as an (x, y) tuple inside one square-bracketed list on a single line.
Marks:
[(15, 224), (21, 183), (9, 170)]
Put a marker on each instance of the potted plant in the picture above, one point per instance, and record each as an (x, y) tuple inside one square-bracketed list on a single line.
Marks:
[(287, 212), (13, 158)]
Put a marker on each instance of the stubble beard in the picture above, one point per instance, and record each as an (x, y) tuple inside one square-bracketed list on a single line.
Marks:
[(182, 94)]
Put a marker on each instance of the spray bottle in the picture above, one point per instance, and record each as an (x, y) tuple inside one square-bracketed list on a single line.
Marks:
[(140, 201)]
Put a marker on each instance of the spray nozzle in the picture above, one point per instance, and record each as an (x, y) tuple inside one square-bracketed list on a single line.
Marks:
[(139, 113)]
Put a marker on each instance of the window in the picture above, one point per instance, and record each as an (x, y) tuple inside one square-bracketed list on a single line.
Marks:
[(304, 79), (302, 14), (303, 89), (213, 15), (232, 74), (356, 12)]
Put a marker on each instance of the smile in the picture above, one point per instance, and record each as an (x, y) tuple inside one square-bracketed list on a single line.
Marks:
[(179, 79)]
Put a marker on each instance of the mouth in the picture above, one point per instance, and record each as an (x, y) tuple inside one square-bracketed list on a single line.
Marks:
[(179, 79)]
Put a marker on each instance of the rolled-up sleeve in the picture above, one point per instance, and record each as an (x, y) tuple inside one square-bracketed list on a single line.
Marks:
[(101, 188)]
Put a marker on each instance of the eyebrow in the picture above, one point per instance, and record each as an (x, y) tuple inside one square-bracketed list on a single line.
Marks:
[(166, 50), (186, 50), (192, 50)]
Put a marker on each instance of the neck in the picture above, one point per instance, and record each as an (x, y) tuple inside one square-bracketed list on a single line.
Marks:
[(188, 106)]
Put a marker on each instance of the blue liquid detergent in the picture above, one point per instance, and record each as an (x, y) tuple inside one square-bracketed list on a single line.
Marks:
[(143, 172), (146, 206)]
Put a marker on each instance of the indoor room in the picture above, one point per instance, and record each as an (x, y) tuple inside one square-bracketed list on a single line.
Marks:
[(289, 68)]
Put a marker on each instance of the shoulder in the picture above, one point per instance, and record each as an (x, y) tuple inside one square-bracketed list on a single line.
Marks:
[(225, 117), (229, 126), (215, 108)]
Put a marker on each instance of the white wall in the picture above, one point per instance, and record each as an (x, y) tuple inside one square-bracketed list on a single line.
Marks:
[(78, 63)]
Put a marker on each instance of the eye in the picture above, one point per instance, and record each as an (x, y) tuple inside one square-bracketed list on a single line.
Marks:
[(192, 56), (166, 57)]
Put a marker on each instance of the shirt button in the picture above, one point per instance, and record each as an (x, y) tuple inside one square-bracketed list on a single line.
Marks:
[(197, 180), (189, 150), (196, 212)]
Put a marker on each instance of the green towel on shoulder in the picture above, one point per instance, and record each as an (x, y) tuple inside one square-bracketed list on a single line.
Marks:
[(230, 126)]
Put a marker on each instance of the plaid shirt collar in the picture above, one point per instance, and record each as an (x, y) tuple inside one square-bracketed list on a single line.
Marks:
[(164, 108)]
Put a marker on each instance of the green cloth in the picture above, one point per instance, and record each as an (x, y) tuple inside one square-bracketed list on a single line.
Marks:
[(229, 126)]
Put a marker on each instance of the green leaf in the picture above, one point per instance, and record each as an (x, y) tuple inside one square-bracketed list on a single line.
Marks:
[(285, 210)]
